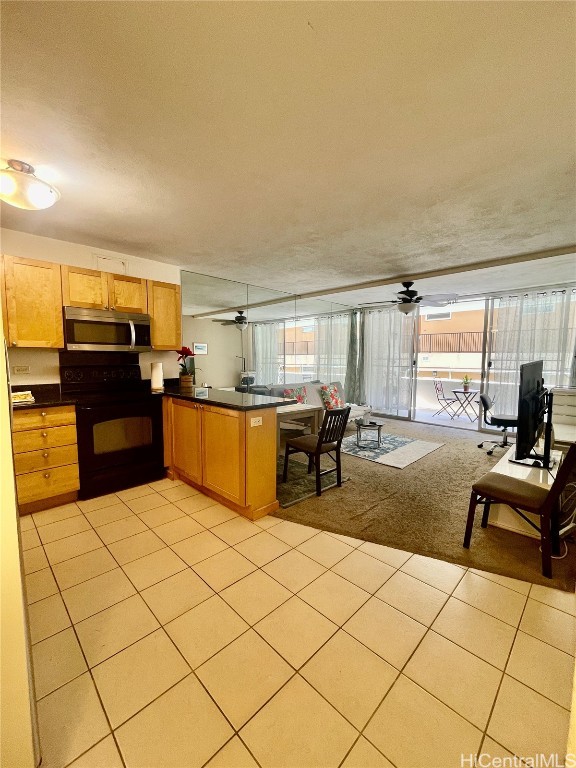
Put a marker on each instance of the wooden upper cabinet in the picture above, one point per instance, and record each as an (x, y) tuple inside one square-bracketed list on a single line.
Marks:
[(86, 288), (33, 299), (92, 289), (165, 309), (127, 294)]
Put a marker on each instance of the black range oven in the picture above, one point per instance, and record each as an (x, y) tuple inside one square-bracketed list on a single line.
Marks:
[(118, 421)]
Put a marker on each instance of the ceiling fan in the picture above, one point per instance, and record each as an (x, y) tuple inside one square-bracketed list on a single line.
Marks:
[(239, 321), (408, 299)]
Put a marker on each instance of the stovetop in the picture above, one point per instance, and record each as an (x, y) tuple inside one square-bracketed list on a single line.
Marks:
[(101, 377)]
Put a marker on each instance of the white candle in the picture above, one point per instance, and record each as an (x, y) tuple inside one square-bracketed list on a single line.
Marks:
[(157, 377)]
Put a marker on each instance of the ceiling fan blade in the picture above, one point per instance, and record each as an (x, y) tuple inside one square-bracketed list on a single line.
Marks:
[(379, 303), (439, 300), (440, 297)]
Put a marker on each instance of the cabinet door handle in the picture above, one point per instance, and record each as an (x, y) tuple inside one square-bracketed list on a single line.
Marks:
[(111, 307), (44, 434), (105, 306), (43, 413), (14, 344), (45, 455), (47, 475)]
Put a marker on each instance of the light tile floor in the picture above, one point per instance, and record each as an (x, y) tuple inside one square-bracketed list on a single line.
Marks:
[(169, 631)]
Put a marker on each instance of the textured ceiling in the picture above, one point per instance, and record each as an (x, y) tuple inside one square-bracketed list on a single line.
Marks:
[(297, 145)]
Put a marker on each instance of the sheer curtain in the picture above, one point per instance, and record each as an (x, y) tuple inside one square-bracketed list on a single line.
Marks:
[(266, 338), (388, 352), (326, 358), (331, 344), (531, 326)]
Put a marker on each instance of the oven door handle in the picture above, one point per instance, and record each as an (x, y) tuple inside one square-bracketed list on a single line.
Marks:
[(132, 334)]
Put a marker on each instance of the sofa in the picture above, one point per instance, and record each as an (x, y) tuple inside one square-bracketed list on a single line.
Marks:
[(313, 396)]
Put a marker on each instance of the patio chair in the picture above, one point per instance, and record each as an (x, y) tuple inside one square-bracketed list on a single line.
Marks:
[(448, 404), (328, 441)]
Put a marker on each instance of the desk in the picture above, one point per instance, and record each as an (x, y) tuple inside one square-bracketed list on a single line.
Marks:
[(501, 515), (311, 415), (466, 403)]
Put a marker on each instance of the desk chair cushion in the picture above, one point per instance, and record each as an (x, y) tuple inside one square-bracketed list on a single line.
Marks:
[(310, 443), (503, 420), (512, 491)]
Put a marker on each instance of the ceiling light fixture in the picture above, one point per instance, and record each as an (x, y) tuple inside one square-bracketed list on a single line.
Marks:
[(21, 188), (406, 308)]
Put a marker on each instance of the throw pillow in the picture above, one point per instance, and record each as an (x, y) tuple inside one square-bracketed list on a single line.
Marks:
[(331, 397), (296, 393)]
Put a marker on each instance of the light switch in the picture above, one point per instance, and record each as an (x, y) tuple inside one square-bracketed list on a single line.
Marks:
[(256, 421)]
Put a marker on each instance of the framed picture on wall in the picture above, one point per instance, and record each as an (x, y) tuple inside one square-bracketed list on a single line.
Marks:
[(200, 348)]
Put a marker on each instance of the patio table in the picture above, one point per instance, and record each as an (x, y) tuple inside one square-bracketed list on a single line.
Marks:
[(466, 403)]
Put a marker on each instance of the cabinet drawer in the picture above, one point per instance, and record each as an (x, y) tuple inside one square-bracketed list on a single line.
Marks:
[(35, 439), (35, 486), (43, 417), (34, 461)]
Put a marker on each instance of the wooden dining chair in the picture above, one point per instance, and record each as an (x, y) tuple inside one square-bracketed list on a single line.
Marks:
[(327, 441), (522, 496)]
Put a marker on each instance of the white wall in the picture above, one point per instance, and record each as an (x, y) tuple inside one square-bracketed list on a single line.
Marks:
[(44, 362), (60, 252), (220, 367)]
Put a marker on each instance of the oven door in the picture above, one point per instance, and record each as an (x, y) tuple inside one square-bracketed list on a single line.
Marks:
[(119, 445)]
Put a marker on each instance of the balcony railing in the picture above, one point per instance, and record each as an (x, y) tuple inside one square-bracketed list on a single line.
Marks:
[(464, 341)]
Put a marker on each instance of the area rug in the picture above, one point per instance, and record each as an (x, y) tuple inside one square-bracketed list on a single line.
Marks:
[(423, 508), (300, 485), (393, 451)]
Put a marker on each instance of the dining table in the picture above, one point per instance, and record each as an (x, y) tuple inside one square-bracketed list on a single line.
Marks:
[(466, 401)]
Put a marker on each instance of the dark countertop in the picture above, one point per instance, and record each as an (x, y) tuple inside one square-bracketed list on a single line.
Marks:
[(45, 396), (54, 402), (49, 396), (223, 398)]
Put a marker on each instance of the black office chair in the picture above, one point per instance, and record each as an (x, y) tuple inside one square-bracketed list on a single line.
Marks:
[(328, 440), (504, 421), (522, 496)]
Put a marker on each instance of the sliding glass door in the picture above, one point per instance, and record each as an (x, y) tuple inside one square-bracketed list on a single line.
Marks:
[(449, 347)]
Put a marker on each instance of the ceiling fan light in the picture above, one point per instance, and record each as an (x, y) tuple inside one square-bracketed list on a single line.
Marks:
[(22, 189), (406, 308)]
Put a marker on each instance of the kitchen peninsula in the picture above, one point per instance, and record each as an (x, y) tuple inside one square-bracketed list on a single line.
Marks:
[(224, 444)]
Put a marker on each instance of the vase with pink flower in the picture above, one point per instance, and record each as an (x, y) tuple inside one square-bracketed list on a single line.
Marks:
[(187, 368)]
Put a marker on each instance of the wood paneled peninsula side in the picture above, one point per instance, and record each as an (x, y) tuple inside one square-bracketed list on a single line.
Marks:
[(224, 444)]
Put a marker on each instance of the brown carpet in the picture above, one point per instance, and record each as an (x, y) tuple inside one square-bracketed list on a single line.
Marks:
[(423, 508)]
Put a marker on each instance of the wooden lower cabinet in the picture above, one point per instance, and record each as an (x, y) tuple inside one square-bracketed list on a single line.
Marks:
[(225, 453), (187, 439), (45, 457)]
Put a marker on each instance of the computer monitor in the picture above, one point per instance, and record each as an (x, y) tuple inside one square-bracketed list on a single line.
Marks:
[(534, 404)]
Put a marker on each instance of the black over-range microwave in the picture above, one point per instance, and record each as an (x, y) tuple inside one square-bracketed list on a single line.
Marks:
[(98, 330)]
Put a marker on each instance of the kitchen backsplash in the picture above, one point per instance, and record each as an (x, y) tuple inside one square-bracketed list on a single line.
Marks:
[(43, 365)]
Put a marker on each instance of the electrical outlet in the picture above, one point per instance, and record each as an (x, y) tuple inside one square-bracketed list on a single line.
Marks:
[(21, 369), (256, 421)]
